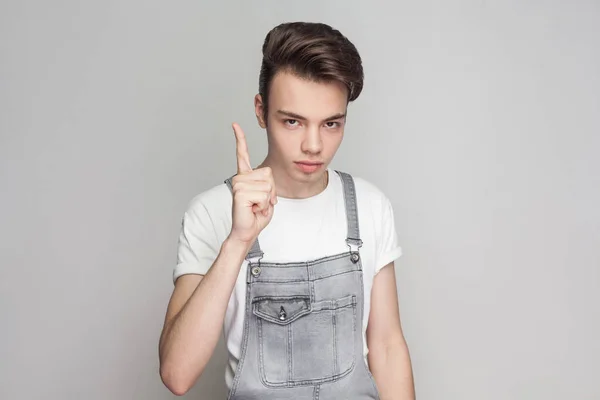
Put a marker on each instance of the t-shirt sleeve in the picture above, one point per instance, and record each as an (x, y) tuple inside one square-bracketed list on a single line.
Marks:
[(198, 246), (388, 248)]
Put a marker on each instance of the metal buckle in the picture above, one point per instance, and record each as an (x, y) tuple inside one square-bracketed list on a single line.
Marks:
[(354, 244)]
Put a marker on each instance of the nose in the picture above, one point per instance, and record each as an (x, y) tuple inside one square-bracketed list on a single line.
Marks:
[(312, 142)]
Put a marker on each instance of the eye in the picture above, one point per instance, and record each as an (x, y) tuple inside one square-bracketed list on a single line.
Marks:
[(332, 124), (291, 122)]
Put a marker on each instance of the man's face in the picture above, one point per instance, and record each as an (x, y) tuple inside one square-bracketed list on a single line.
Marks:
[(305, 125)]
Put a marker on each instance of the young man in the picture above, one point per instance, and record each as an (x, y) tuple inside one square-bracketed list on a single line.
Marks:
[(295, 261)]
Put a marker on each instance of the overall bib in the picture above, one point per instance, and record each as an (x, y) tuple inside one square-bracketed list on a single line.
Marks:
[(302, 336)]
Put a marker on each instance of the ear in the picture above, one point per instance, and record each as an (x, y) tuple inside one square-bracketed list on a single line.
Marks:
[(259, 110)]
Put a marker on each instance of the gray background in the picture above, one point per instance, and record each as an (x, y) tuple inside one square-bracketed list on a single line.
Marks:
[(479, 120)]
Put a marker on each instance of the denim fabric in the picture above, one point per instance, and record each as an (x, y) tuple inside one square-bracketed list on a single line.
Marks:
[(303, 325)]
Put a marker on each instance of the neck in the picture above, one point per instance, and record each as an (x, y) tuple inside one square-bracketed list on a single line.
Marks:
[(290, 188)]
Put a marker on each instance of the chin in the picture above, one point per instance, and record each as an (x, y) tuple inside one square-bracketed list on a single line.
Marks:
[(309, 175)]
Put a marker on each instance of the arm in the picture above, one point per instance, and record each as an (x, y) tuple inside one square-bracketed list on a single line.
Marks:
[(195, 318), (197, 308), (389, 359)]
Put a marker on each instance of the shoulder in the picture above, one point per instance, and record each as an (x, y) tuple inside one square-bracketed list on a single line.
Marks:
[(367, 188), (373, 206), (214, 202), (370, 195)]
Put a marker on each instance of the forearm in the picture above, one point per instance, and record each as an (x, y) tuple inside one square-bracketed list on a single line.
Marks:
[(189, 339), (391, 367)]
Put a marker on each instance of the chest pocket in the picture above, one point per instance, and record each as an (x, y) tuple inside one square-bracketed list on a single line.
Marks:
[(304, 343)]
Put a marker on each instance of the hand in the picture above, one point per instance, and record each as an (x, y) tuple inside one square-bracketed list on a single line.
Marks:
[(254, 195)]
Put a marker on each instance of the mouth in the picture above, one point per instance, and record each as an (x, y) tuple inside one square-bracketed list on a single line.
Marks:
[(309, 166)]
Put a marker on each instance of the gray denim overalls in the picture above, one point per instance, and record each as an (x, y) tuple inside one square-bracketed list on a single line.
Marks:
[(303, 324)]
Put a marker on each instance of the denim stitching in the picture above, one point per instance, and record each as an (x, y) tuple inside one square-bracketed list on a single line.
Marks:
[(324, 305), (245, 334), (370, 376), (351, 204), (290, 350), (310, 263), (280, 298), (333, 322), (314, 280), (261, 363), (269, 318), (309, 382), (311, 284)]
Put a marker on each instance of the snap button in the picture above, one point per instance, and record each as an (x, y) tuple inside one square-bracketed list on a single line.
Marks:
[(282, 314), (255, 271), (354, 258)]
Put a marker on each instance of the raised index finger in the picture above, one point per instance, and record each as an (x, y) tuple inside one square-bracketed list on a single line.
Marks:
[(243, 158)]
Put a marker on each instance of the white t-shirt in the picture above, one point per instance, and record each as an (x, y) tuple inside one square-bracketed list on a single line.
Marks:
[(300, 230)]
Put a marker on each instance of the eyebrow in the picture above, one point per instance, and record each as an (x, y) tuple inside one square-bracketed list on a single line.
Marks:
[(301, 118)]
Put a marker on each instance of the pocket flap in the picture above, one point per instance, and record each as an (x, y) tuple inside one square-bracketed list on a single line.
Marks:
[(281, 310)]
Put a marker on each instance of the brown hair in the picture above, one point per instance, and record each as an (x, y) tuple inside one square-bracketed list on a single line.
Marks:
[(313, 51)]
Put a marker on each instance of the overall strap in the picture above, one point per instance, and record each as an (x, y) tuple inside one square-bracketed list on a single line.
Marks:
[(255, 253), (353, 240)]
